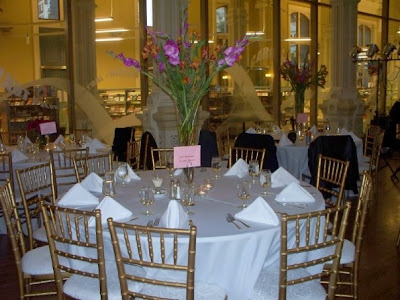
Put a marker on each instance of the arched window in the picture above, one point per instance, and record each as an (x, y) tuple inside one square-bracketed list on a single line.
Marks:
[(364, 35), (300, 36)]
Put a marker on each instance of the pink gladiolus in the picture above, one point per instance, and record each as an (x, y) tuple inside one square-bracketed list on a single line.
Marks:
[(171, 50)]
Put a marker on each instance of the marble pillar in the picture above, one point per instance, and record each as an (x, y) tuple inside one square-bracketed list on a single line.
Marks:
[(159, 116), (344, 108)]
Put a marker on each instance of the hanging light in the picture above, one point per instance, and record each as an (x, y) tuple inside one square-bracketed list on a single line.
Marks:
[(355, 52), (372, 50), (388, 50)]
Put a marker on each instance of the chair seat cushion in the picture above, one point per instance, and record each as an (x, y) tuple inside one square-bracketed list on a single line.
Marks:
[(86, 288), (40, 234), (348, 251), (267, 286), (38, 261)]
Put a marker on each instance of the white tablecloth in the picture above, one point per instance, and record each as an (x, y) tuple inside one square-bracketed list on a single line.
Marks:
[(226, 256)]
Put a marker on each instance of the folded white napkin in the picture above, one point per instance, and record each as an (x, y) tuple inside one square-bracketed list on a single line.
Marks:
[(351, 133), (284, 141), (111, 209), (314, 130), (95, 145), (174, 216), (294, 193), (59, 139), (178, 172), (259, 211), (27, 141), (239, 169), (251, 130), (76, 196), (281, 177), (17, 155), (93, 183)]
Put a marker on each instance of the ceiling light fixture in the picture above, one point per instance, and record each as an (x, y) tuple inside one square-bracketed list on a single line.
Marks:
[(298, 39), (107, 19), (111, 39), (111, 30)]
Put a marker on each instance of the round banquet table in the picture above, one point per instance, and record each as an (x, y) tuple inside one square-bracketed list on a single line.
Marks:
[(225, 255)]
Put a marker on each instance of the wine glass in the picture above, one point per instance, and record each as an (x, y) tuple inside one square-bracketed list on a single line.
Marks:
[(20, 142), (2, 148), (254, 169), (122, 172), (157, 181), (187, 198), (83, 140), (72, 138), (216, 165), (170, 164), (265, 181), (244, 192), (147, 199)]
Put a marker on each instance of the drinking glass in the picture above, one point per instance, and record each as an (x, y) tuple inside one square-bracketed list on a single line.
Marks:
[(157, 182), (122, 172), (72, 138), (2, 148), (254, 169), (83, 140), (108, 188), (147, 199), (20, 142), (216, 165), (187, 198), (170, 165), (265, 181), (243, 190)]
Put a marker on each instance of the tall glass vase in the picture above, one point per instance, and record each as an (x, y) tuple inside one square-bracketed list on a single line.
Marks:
[(298, 102)]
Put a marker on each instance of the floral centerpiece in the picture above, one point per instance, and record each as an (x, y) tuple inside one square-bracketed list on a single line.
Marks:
[(33, 133), (301, 78), (184, 71)]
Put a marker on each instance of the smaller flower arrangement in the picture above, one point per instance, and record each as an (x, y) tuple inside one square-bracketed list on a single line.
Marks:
[(34, 134), (300, 77)]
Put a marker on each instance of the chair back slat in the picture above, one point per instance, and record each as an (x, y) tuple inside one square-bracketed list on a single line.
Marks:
[(161, 157), (247, 154), (99, 164)]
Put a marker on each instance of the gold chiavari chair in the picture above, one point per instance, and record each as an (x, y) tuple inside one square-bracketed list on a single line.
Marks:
[(65, 164), (36, 184), (6, 171), (133, 154), (76, 248), (32, 267), (161, 157), (99, 164), (370, 135), (247, 154), (331, 179), (79, 132), (13, 137), (312, 232), (157, 248), (351, 253)]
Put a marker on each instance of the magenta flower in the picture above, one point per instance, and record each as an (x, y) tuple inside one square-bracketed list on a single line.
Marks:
[(161, 67), (171, 50)]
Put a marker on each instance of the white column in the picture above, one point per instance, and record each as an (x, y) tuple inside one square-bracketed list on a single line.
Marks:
[(343, 108), (159, 116)]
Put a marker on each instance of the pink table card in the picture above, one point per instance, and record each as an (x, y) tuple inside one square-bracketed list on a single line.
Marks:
[(302, 118), (48, 128), (186, 156)]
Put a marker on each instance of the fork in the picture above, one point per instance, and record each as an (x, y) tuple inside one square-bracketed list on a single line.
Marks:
[(156, 222), (234, 219), (231, 220)]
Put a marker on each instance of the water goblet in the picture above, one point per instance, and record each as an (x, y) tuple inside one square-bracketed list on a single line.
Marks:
[(170, 165), (20, 142), (157, 182), (216, 165), (83, 140), (254, 169), (147, 199), (265, 181), (72, 138), (187, 198), (243, 190), (122, 173), (2, 148)]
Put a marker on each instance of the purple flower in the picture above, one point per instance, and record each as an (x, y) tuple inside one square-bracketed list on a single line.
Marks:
[(171, 50), (186, 44), (129, 62), (161, 67)]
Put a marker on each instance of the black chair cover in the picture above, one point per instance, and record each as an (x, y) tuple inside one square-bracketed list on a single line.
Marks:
[(150, 144), (209, 148), (340, 147), (260, 141), (121, 138)]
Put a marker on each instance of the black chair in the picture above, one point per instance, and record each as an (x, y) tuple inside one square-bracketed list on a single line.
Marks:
[(260, 141), (209, 147), (147, 142), (336, 146), (121, 137)]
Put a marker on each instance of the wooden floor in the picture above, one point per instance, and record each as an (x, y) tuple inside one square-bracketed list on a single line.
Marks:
[(380, 262)]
